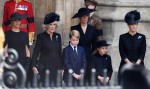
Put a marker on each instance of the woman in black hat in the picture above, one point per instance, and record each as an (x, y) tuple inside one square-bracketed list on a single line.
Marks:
[(18, 39), (100, 61), (88, 36), (132, 45), (48, 48)]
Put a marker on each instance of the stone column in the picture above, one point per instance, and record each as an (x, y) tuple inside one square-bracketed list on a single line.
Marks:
[(77, 5), (2, 2)]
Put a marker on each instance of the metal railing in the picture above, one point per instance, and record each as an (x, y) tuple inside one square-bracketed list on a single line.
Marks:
[(9, 79)]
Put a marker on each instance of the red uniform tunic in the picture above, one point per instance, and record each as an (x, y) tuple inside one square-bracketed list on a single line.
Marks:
[(22, 7)]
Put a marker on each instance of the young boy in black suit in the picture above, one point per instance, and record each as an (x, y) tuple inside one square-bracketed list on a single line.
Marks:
[(74, 58)]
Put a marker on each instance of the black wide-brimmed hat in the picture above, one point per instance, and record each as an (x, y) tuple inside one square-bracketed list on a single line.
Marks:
[(132, 17), (101, 43), (82, 12), (89, 2), (15, 16), (51, 17)]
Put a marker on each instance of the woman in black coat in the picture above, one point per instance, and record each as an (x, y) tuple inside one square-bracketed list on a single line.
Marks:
[(100, 61), (48, 46), (132, 45), (88, 36)]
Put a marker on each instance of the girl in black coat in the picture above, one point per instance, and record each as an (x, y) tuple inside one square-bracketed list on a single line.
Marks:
[(100, 61), (48, 46)]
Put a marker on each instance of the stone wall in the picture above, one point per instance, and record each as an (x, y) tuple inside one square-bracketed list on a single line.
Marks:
[(112, 12)]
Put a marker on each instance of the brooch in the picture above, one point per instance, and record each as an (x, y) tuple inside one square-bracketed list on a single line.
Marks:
[(57, 38), (139, 37)]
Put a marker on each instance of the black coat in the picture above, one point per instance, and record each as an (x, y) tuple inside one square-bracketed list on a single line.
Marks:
[(132, 47), (100, 63), (50, 54), (87, 40)]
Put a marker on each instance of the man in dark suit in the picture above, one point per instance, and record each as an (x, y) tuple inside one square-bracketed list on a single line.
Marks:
[(74, 58)]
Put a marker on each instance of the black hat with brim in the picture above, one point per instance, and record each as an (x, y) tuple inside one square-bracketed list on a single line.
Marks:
[(82, 12), (101, 43), (15, 16), (132, 17), (51, 17)]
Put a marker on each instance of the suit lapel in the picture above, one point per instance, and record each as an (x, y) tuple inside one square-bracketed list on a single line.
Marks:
[(83, 36), (79, 52)]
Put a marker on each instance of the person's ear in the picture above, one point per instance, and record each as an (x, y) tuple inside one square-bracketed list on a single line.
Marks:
[(98, 49), (69, 38)]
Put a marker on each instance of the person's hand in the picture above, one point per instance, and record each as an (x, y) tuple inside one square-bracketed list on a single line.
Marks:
[(138, 62), (35, 70), (80, 76), (62, 73), (76, 76), (127, 61), (101, 79), (107, 79)]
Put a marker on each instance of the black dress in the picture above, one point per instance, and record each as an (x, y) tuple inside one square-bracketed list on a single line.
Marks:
[(132, 47), (50, 52), (100, 63), (17, 41), (88, 42)]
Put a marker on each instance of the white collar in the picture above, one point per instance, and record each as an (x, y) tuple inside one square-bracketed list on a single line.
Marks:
[(84, 27), (73, 46)]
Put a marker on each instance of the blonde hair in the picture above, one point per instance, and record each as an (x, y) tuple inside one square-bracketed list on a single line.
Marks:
[(74, 33)]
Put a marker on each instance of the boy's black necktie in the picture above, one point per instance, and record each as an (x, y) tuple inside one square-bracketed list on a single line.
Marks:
[(75, 51)]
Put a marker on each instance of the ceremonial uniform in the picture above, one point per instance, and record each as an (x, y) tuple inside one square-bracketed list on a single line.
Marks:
[(22, 7), (95, 20)]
